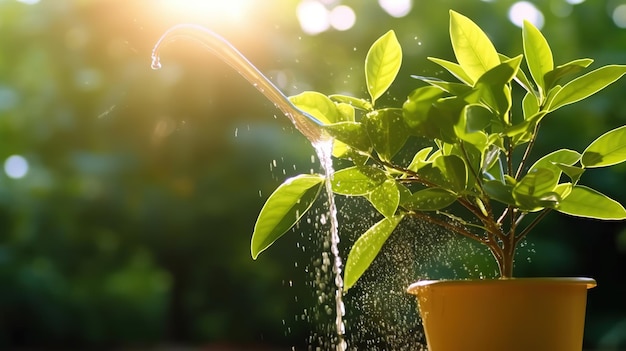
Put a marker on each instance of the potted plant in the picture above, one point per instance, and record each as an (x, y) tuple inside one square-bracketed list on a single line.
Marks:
[(473, 174)]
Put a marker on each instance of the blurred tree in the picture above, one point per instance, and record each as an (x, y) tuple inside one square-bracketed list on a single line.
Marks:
[(131, 225)]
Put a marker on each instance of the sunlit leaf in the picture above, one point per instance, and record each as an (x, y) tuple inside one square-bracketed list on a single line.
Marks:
[(607, 150), (449, 87), (563, 156), (366, 248), (454, 68), (552, 78), (385, 198), (357, 181), (430, 199), (284, 208), (530, 105), (382, 64), (350, 133), (520, 77), (472, 48), (419, 160), (492, 87), (531, 191), (538, 54), (345, 112), (587, 85), (361, 104), (317, 105), (589, 203)]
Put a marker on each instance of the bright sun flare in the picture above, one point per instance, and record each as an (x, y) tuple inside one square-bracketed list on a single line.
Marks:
[(225, 11)]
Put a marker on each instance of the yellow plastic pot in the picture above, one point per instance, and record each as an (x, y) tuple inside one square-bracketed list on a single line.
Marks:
[(503, 315)]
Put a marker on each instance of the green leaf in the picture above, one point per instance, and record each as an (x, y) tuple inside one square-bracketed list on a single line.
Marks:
[(345, 112), (417, 111), (533, 190), (317, 105), (573, 172), (366, 248), (538, 55), (520, 77), (284, 208), (589, 203), (454, 68), (607, 150), (492, 87), (350, 133), (563, 156), (387, 131), (419, 160), (587, 85), (530, 105), (382, 64), (499, 191), (361, 104), (454, 170), (430, 199), (449, 87), (385, 198), (472, 48), (552, 78), (357, 181)]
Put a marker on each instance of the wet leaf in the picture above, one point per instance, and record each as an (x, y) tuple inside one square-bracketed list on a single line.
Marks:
[(357, 181), (317, 105), (284, 208), (430, 199), (361, 104), (366, 248), (387, 131), (385, 198)]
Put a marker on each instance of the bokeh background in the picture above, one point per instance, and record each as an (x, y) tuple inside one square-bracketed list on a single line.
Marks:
[(128, 195)]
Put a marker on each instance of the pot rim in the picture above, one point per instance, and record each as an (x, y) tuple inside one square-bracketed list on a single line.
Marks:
[(588, 282)]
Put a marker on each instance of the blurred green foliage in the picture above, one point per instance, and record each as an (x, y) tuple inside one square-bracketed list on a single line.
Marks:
[(132, 224)]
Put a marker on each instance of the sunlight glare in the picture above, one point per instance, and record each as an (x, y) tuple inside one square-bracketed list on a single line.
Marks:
[(313, 16), (342, 17), (231, 10), (524, 10), (396, 8)]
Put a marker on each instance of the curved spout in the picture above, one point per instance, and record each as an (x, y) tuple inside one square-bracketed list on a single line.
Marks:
[(304, 122)]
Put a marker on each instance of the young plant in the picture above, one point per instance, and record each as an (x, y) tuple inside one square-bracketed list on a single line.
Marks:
[(474, 177)]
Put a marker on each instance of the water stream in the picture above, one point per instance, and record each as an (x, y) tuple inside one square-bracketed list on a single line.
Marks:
[(305, 123)]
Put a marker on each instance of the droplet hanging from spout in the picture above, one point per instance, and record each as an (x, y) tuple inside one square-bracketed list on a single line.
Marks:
[(308, 125)]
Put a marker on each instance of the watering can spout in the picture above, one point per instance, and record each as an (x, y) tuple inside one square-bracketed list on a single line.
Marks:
[(308, 125)]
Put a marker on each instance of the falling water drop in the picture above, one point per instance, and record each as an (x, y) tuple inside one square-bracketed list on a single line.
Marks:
[(156, 62)]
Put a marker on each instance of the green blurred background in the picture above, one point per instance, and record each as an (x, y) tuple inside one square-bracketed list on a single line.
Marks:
[(130, 226)]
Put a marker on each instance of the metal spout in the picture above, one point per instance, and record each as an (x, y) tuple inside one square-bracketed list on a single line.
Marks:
[(308, 125)]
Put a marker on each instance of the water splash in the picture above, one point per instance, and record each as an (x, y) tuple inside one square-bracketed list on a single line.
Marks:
[(324, 153), (308, 125)]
